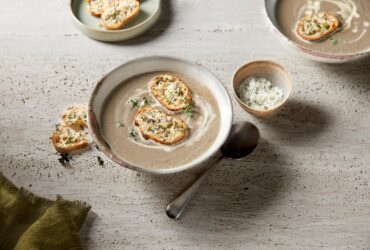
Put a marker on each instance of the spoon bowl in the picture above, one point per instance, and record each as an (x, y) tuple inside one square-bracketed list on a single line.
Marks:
[(241, 142)]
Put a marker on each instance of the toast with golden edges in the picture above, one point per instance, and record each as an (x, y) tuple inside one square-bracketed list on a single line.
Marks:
[(66, 139), (120, 13), (160, 127), (317, 27), (171, 92), (75, 117), (97, 7)]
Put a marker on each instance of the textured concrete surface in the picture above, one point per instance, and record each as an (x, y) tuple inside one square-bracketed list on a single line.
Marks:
[(305, 187)]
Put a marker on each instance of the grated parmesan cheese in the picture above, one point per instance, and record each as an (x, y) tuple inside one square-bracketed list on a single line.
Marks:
[(259, 93)]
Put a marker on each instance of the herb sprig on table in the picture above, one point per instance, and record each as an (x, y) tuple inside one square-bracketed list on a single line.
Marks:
[(64, 159)]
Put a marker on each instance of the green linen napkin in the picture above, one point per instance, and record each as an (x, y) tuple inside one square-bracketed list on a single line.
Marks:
[(28, 222)]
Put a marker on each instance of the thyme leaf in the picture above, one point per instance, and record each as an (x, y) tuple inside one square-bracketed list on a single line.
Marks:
[(134, 103)]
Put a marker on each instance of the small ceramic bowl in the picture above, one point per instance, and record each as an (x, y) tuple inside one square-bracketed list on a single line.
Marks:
[(89, 25), (269, 70)]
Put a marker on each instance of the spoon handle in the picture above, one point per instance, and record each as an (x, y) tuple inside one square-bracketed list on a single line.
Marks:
[(175, 208)]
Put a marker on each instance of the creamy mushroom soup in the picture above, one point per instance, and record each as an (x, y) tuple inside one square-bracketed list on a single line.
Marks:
[(126, 141), (353, 37)]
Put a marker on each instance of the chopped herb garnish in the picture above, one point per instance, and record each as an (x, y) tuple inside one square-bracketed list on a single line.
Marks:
[(188, 110), (100, 161), (146, 102), (119, 125), (170, 98), (333, 40), (134, 103), (64, 159), (132, 132)]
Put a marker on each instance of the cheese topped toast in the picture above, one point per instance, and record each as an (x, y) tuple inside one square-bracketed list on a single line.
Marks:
[(317, 27), (120, 13), (171, 92), (97, 7), (66, 139), (160, 127), (75, 117)]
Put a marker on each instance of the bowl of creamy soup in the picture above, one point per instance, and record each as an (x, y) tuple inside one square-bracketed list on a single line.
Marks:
[(159, 114), (324, 30)]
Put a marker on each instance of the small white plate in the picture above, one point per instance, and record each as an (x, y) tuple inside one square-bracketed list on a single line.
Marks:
[(150, 11)]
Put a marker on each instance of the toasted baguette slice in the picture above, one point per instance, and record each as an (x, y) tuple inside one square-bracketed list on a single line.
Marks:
[(66, 139), (160, 127), (317, 27), (97, 7), (120, 13), (171, 92), (75, 117)]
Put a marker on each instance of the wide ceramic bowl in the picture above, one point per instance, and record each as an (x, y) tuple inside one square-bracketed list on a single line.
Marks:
[(150, 11), (153, 64), (270, 12)]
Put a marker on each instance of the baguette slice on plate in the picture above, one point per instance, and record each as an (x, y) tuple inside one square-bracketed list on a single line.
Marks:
[(120, 13), (66, 139), (97, 7), (160, 127), (318, 26), (171, 92)]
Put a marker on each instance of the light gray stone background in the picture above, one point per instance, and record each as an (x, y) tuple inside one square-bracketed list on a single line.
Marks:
[(305, 187)]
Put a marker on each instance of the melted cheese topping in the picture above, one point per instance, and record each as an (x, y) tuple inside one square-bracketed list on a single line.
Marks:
[(317, 24), (119, 11), (158, 124), (69, 136), (96, 6), (172, 90), (75, 117)]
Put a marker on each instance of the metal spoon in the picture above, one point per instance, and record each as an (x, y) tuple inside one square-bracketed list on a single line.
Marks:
[(242, 140)]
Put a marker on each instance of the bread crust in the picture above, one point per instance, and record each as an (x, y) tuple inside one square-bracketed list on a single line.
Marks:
[(118, 9), (66, 139), (75, 117), (170, 91), (160, 127), (96, 7), (317, 27)]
